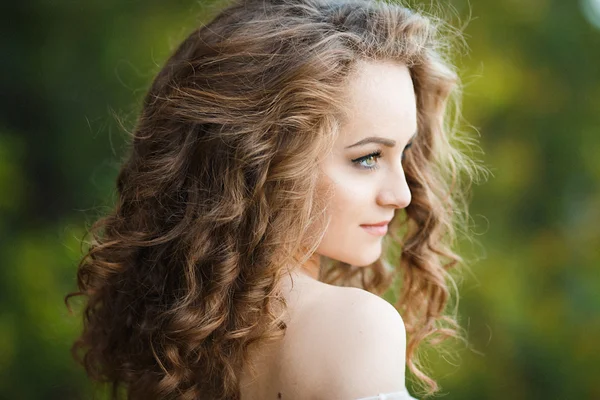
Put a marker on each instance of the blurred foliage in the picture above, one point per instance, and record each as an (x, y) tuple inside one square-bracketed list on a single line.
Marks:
[(532, 89)]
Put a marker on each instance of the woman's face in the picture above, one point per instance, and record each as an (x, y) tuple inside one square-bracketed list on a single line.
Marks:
[(365, 171)]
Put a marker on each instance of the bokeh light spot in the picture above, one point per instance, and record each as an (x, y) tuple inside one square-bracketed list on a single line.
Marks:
[(591, 11)]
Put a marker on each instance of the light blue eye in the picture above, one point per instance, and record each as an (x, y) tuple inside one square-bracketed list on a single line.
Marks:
[(374, 156)]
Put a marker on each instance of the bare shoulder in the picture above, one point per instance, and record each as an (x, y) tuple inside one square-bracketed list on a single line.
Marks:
[(363, 347)]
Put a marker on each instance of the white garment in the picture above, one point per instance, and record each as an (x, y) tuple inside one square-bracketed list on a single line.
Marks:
[(402, 395)]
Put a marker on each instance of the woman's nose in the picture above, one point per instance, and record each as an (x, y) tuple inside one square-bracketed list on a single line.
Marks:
[(395, 192)]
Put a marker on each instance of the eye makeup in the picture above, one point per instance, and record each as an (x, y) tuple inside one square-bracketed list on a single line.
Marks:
[(375, 156)]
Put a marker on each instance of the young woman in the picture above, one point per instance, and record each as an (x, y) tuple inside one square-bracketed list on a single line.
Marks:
[(291, 160)]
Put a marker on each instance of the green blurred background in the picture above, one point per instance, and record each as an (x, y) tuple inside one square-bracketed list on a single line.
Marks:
[(532, 88)]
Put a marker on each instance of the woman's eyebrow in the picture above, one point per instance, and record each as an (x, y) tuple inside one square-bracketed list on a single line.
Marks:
[(376, 139)]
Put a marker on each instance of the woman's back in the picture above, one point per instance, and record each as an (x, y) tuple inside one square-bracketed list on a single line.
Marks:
[(332, 332)]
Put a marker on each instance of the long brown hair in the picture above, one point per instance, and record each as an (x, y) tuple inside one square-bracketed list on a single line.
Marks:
[(218, 190)]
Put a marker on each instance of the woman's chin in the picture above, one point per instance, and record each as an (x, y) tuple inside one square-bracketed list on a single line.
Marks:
[(366, 256), (364, 259)]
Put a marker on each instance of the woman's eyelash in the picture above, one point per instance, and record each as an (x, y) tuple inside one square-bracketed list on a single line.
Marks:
[(375, 155)]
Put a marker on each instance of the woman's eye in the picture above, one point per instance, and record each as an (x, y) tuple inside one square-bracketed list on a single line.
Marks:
[(406, 148), (368, 161)]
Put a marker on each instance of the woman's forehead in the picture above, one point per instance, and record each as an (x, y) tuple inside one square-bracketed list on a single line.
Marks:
[(381, 102)]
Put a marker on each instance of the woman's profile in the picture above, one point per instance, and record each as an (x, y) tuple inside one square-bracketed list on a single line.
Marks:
[(292, 162)]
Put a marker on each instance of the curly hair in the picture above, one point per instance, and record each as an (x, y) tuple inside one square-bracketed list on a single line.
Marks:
[(218, 190)]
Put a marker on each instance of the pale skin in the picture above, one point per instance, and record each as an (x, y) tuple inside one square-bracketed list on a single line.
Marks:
[(341, 342)]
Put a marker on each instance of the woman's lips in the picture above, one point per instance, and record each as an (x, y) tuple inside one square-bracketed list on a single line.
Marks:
[(377, 230)]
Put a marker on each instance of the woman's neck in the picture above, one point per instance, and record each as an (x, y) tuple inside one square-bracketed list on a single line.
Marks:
[(312, 266)]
